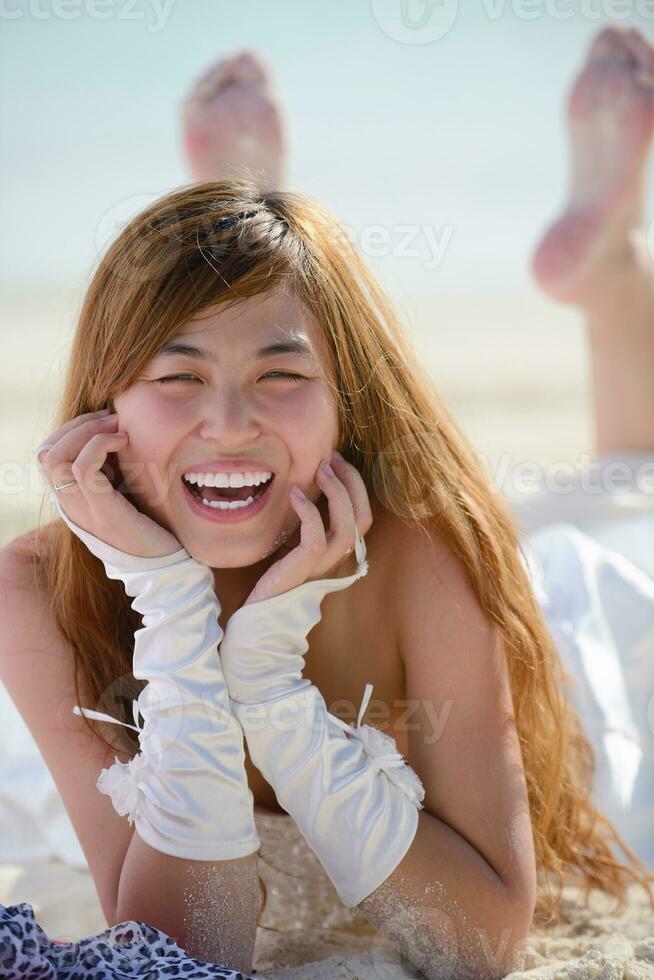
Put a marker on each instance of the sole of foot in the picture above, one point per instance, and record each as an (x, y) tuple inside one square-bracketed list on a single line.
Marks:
[(610, 122), (233, 124)]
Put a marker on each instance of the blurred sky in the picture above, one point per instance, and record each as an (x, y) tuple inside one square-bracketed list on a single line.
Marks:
[(465, 132)]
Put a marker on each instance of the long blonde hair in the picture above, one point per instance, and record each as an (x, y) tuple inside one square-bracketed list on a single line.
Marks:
[(223, 241)]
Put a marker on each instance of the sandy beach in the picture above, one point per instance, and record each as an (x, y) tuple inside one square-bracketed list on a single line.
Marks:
[(592, 944)]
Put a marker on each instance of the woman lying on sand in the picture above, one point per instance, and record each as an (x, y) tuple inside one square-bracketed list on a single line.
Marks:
[(231, 329)]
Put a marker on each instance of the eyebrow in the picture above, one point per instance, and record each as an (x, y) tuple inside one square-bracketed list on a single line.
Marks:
[(292, 346)]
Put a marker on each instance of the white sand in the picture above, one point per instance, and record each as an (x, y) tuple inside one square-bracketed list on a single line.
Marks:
[(593, 944)]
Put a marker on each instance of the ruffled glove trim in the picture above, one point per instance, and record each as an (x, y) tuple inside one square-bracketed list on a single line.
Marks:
[(123, 780), (381, 750)]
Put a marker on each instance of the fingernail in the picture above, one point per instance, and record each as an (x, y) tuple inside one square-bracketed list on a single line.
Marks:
[(326, 468), (336, 454), (298, 493), (104, 411)]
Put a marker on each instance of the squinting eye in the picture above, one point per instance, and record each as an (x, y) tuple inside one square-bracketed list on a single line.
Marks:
[(191, 377), (177, 377), (285, 374)]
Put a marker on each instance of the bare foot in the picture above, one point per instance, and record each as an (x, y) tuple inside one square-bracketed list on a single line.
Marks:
[(232, 122), (611, 121)]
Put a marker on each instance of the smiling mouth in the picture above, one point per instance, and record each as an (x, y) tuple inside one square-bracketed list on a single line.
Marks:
[(228, 498)]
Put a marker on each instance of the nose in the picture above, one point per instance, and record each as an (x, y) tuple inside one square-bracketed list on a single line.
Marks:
[(228, 419)]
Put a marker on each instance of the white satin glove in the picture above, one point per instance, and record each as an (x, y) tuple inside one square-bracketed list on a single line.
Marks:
[(352, 795), (186, 791)]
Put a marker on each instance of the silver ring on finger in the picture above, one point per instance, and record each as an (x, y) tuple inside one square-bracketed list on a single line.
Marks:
[(62, 486)]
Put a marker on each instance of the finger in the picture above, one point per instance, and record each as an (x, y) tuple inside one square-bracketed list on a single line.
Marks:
[(87, 467), (57, 462), (295, 567), (111, 469), (67, 426), (341, 512), (313, 539), (291, 539), (358, 491), (55, 437)]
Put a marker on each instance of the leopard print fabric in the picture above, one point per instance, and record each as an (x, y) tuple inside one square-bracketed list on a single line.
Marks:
[(128, 949)]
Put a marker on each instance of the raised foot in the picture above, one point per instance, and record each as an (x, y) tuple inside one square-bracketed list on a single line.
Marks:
[(233, 123), (611, 121)]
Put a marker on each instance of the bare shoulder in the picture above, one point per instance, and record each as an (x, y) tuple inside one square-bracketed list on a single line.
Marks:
[(19, 559), (415, 577), (414, 562), (429, 596)]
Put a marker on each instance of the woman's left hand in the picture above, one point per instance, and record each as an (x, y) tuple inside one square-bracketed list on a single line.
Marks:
[(319, 551)]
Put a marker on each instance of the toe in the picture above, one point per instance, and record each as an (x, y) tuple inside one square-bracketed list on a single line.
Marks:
[(642, 53), (612, 43), (244, 67), (212, 79), (250, 67), (642, 50)]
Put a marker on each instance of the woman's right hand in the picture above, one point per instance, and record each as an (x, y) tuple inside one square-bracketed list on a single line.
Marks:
[(77, 451)]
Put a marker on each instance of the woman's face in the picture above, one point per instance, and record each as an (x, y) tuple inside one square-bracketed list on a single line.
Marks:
[(236, 403)]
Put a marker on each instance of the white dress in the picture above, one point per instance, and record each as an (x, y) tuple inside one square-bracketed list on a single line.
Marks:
[(590, 552)]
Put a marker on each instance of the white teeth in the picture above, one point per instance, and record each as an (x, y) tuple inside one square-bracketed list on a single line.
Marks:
[(232, 504), (227, 479), (227, 504)]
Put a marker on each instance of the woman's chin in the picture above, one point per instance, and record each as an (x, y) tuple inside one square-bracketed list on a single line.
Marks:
[(234, 550), (226, 558)]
